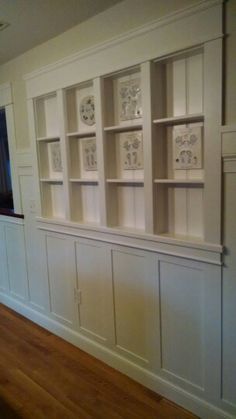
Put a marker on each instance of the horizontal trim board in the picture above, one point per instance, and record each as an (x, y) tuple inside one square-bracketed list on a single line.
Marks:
[(5, 219), (229, 165), (188, 253), (163, 387), (69, 227), (188, 27), (228, 128)]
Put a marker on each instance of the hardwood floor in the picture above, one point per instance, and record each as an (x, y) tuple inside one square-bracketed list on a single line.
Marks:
[(44, 377)]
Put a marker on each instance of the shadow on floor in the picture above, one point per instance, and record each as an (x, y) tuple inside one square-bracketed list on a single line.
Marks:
[(7, 412)]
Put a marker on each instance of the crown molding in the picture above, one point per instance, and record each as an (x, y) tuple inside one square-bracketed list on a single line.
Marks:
[(129, 35)]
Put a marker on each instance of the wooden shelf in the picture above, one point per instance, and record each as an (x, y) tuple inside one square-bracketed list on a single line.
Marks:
[(49, 139), (126, 181), (123, 128), (81, 180), (80, 134), (180, 181), (49, 180), (178, 120)]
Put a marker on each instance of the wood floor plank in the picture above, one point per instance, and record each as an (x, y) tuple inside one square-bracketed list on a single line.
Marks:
[(44, 377)]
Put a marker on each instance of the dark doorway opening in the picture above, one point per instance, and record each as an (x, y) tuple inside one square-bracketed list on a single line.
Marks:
[(6, 198)]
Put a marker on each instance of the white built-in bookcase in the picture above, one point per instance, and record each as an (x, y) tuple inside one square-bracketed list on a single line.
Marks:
[(156, 198), (178, 97)]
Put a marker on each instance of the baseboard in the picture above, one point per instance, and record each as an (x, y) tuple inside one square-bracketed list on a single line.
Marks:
[(201, 408)]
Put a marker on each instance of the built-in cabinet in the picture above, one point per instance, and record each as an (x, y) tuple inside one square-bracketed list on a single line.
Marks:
[(121, 247)]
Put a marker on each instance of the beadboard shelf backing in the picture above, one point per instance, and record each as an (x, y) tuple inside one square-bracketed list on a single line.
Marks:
[(47, 123), (76, 100)]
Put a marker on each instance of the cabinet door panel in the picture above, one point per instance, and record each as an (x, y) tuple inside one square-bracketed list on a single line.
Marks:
[(190, 312), (136, 305), (182, 311), (93, 261), (4, 285), (61, 275), (16, 257)]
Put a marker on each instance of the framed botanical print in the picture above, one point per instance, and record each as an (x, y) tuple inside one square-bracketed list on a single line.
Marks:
[(55, 162), (89, 154), (131, 150), (187, 145), (130, 100)]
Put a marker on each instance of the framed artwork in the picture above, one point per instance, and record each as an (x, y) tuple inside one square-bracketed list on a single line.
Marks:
[(87, 110), (187, 147), (55, 157), (89, 154), (129, 96), (131, 150)]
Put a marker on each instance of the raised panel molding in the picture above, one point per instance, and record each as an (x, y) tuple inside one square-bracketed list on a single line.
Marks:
[(4, 284), (94, 290), (190, 298), (182, 321), (16, 261), (229, 291), (38, 285)]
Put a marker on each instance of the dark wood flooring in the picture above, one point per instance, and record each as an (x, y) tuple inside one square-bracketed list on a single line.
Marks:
[(44, 377)]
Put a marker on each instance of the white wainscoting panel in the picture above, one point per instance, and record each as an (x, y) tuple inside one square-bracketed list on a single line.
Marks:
[(38, 285), (4, 284), (229, 289), (61, 276), (190, 296), (16, 259), (182, 321), (95, 297), (136, 305)]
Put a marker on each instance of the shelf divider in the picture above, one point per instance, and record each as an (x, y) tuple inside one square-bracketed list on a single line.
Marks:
[(123, 128), (180, 181), (178, 120), (126, 181), (80, 134), (146, 81)]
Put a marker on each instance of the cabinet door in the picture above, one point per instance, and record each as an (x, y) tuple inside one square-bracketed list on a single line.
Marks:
[(136, 305), (93, 261), (229, 288)]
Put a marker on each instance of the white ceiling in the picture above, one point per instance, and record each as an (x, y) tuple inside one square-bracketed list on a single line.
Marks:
[(35, 21)]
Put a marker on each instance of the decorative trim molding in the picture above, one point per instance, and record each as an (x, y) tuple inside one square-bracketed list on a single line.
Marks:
[(229, 163), (6, 219), (5, 94), (129, 35), (205, 253), (228, 128)]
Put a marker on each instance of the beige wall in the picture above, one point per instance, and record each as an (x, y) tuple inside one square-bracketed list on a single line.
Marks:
[(124, 16)]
